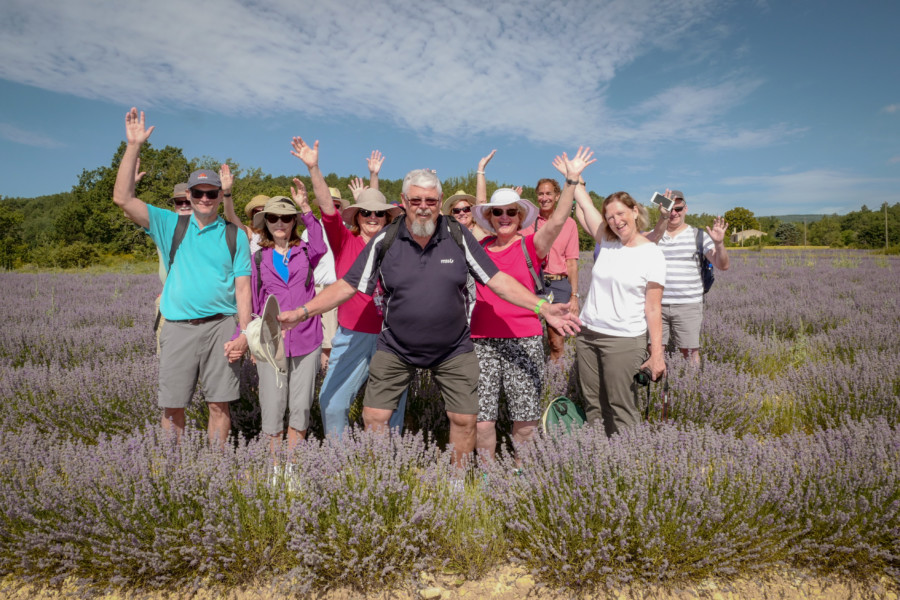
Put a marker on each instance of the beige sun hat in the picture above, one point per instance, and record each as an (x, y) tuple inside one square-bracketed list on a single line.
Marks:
[(256, 202), (336, 195), (504, 197), (277, 205), (372, 200), (459, 195), (264, 336)]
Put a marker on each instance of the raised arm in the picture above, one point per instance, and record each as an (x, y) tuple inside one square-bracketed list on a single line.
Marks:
[(546, 235), (227, 180), (136, 133), (374, 162), (719, 258), (310, 157), (655, 234), (356, 186), (480, 181)]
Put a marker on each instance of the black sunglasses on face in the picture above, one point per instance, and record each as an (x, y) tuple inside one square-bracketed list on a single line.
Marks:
[(368, 213), (678, 208), (181, 202), (275, 218), (464, 209), (510, 212), (211, 194)]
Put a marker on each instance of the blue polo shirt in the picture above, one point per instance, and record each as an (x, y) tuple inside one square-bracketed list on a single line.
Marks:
[(201, 281), (424, 304)]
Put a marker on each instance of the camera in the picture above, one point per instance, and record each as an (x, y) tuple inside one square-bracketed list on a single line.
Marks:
[(643, 377)]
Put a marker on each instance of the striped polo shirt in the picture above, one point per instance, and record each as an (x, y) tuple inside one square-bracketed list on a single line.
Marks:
[(683, 283)]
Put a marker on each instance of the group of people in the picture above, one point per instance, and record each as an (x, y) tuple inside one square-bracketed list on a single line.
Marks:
[(456, 286)]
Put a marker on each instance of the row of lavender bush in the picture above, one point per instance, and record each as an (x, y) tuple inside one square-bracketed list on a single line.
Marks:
[(660, 504), (800, 355)]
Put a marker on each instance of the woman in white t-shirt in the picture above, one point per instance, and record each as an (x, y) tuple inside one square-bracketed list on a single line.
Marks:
[(623, 305)]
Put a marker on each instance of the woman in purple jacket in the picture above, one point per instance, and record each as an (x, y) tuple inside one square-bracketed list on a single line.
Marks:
[(283, 267)]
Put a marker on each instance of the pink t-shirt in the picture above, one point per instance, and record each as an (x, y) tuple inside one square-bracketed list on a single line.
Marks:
[(564, 247), (358, 313), (494, 317)]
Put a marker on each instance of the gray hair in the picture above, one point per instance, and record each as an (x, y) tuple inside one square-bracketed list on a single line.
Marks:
[(423, 178)]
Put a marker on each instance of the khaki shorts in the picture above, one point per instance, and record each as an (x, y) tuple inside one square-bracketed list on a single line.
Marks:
[(683, 322), (191, 352), (457, 378)]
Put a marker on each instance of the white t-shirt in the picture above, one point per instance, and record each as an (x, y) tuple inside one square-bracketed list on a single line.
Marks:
[(324, 272), (616, 298), (683, 283)]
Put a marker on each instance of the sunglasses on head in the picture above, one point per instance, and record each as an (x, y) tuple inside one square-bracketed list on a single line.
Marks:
[(510, 212), (678, 208), (275, 218), (181, 202), (368, 213), (211, 194), (464, 209)]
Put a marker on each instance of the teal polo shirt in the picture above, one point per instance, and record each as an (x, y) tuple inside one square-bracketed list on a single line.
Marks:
[(201, 281)]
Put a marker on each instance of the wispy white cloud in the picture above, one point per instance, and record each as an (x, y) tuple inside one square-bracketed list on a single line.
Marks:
[(27, 138), (894, 160), (891, 108), (538, 69)]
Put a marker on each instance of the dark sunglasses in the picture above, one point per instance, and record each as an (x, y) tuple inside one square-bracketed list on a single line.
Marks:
[(275, 218), (181, 202), (510, 212), (211, 194), (678, 208), (338, 206), (464, 209), (368, 213)]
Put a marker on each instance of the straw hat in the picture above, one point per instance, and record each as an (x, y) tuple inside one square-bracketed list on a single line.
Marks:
[(501, 198), (277, 205), (372, 200), (257, 202), (452, 200), (336, 195)]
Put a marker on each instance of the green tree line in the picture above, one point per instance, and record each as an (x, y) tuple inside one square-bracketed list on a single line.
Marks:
[(76, 228)]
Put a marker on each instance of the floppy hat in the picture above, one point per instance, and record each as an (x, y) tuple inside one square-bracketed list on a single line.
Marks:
[(336, 195), (204, 176), (459, 195), (264, 336), (257, 201), (180, 191), (372, 200), (505, 197), (277, 205)]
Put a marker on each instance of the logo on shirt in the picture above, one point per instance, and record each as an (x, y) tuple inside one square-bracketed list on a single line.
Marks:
[(446, 261)]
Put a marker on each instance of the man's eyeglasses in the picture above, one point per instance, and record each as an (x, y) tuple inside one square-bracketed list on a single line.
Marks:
[(510, 212), (211, 194), (464, 209), (418, 201), (181, 203), (368, 213), (678, 208), (275, 218)]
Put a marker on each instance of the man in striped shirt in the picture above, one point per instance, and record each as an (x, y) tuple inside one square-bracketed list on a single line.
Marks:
[(682, 301)]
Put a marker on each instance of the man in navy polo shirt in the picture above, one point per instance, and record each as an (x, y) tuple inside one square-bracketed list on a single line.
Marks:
[(203, 292), (424, 279)]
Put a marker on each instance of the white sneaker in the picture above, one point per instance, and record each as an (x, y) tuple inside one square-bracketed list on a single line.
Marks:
[(276, 476)]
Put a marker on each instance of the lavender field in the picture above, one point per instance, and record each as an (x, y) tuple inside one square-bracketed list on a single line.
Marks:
[(781, 451)]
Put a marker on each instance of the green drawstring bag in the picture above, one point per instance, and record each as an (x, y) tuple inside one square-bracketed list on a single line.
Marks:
[(562, 416)]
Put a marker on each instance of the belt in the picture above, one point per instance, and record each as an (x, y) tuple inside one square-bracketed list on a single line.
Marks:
[(555, 277), (199, 321)]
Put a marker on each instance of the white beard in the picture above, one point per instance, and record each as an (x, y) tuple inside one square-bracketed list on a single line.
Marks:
[(423, 229)]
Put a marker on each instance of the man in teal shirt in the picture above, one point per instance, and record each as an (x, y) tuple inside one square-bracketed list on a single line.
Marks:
[(205, 295)]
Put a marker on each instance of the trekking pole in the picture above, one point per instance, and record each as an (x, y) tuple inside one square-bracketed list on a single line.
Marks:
[(665, 397)]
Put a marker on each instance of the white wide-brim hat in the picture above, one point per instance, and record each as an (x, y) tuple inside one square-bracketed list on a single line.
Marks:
[(501, 198), (264, 336)]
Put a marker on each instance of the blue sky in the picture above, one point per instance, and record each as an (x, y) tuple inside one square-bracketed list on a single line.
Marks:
[(780, 107)]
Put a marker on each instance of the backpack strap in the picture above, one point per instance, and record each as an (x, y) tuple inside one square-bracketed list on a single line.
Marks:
[(389, 237), (257, 259), (698, 240), (177, 237), (231, 232), (456, 232)]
